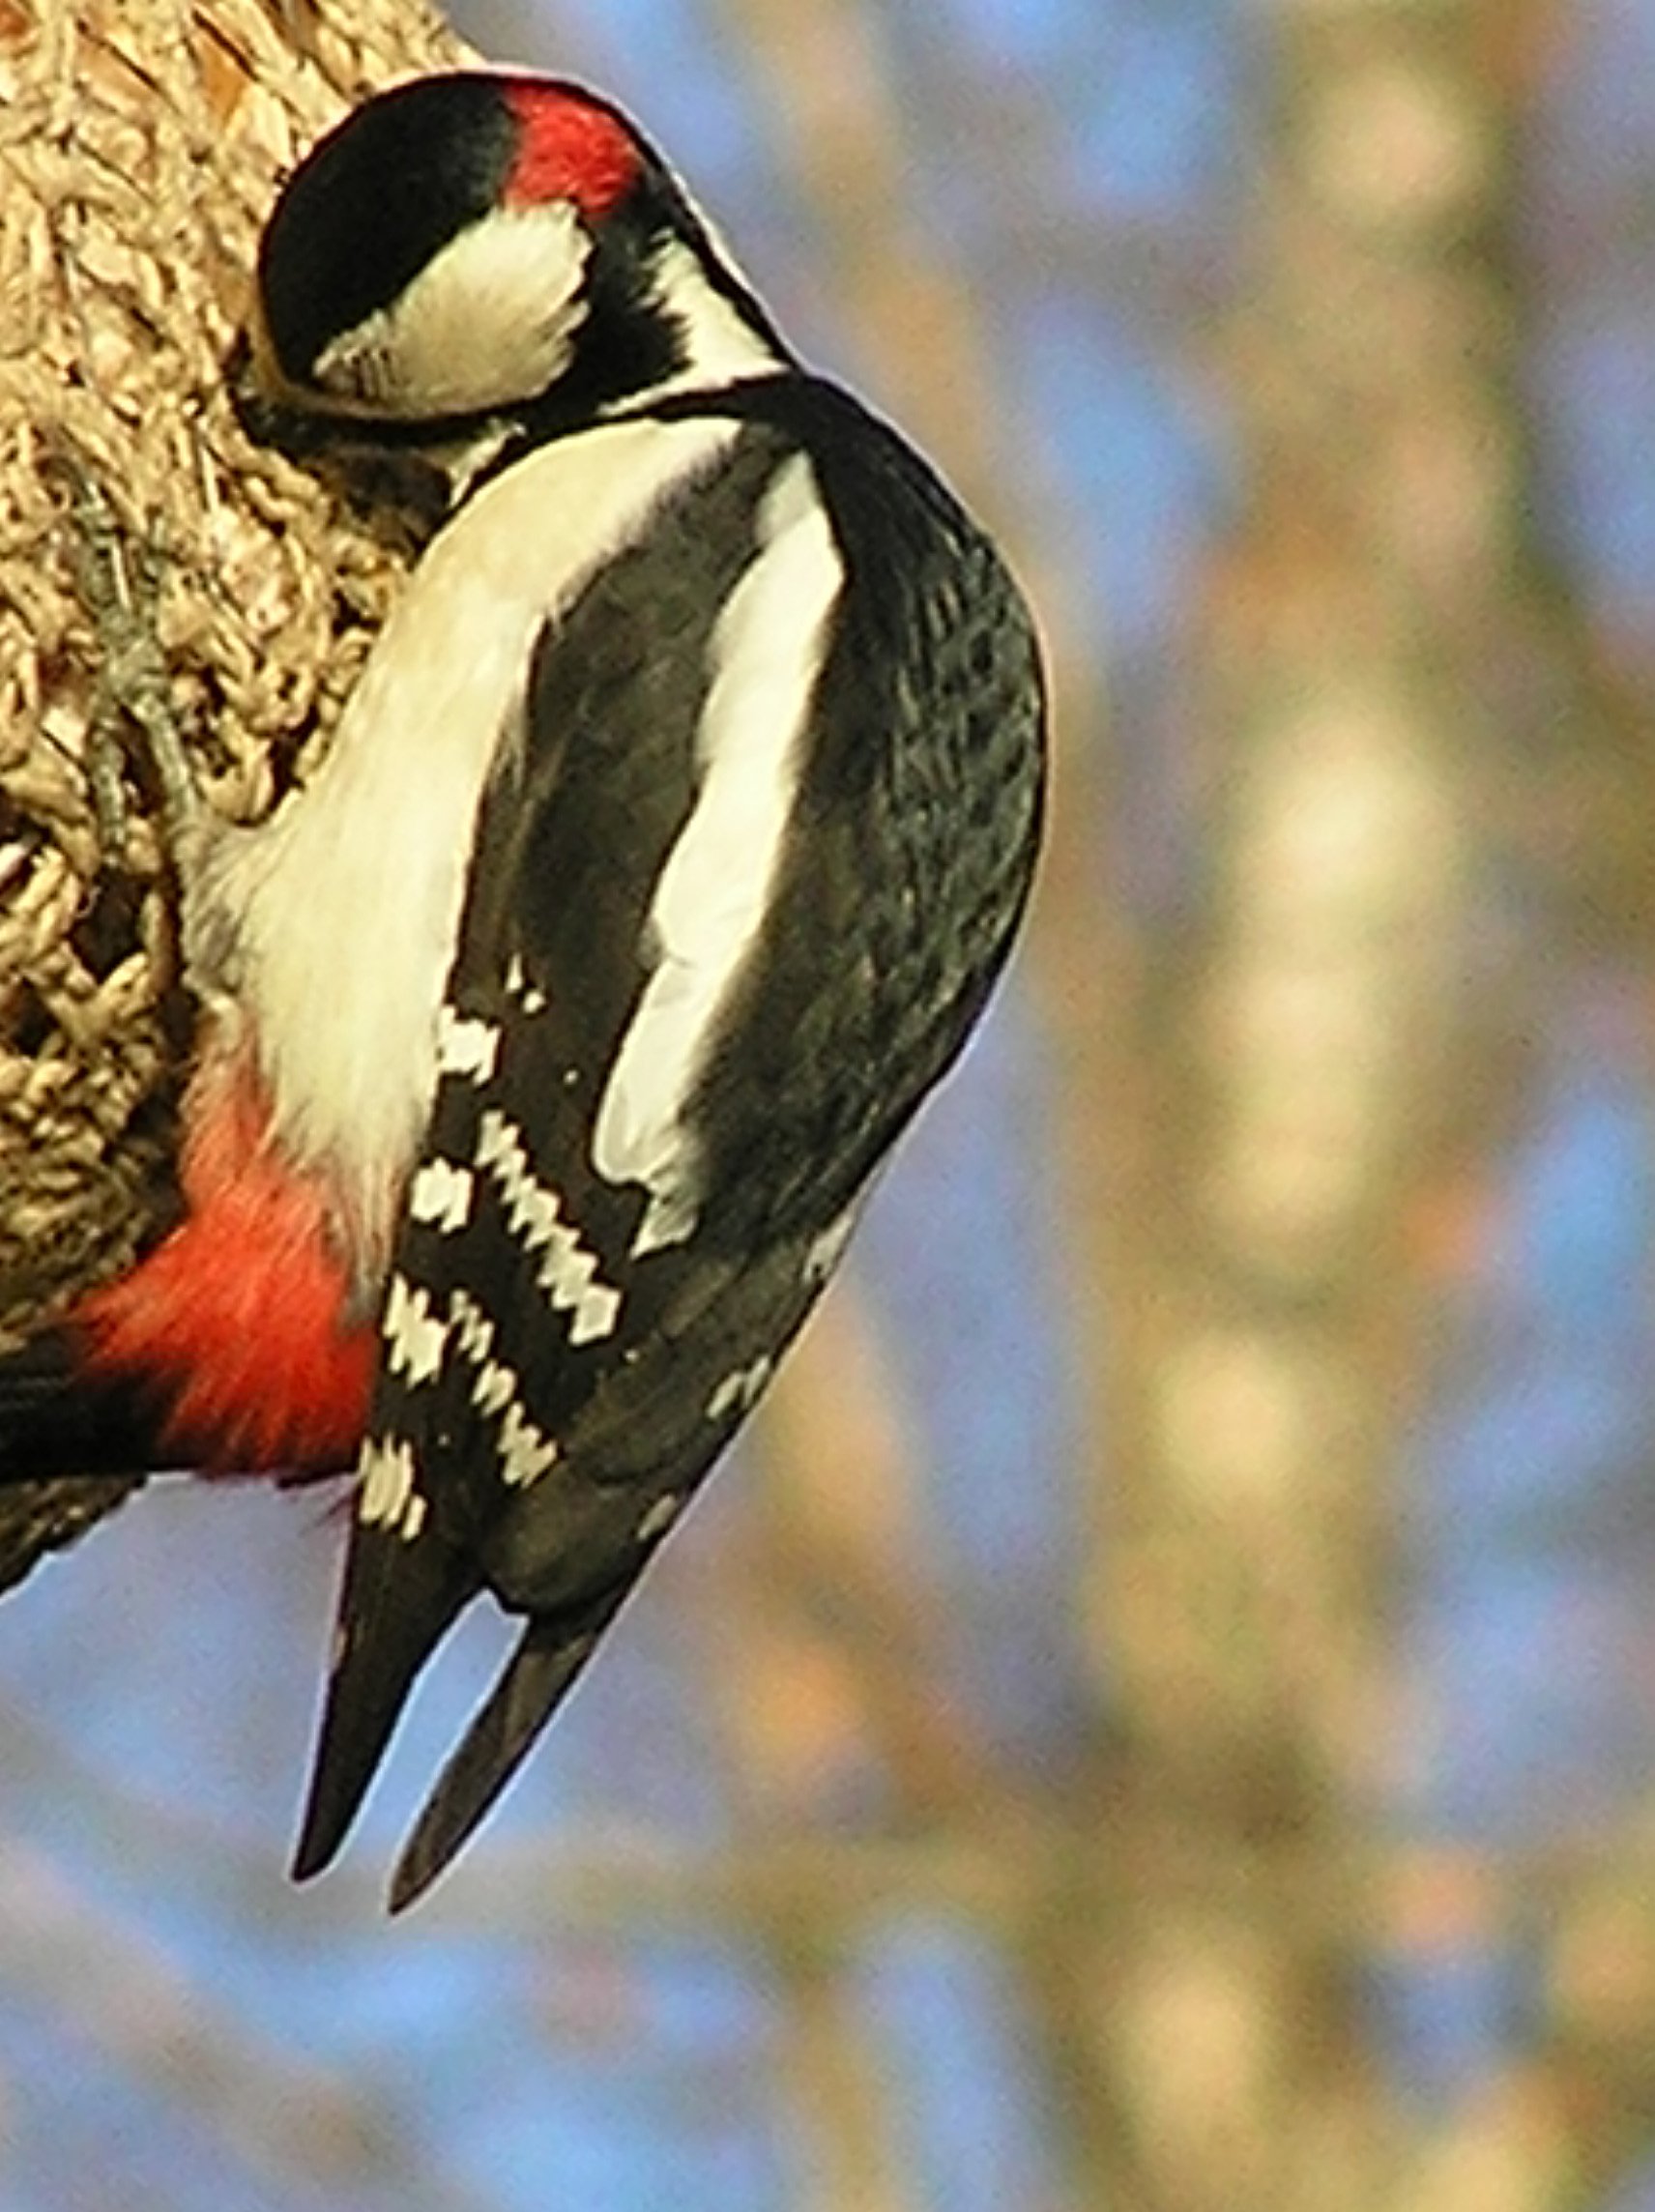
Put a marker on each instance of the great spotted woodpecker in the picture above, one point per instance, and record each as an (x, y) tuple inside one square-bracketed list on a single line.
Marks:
[(665, 855)]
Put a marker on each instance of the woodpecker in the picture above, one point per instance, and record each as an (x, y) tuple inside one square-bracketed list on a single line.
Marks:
[(551, 1032)]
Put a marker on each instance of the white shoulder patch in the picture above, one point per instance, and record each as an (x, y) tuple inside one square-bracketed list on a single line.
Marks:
[(712, 896), (342, 941)]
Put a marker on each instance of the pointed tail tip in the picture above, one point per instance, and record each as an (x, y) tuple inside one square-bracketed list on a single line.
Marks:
[(345, 1764), (397, 1604), (415, 1872), (309, 1859), (321, 1833), (363, 1703), (550, 1653)]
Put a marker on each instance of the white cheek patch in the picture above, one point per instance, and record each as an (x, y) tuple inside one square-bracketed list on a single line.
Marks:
[(711, 896), (490, 321)]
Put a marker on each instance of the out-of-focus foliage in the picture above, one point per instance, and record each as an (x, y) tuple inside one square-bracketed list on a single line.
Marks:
[(1164, 1716)]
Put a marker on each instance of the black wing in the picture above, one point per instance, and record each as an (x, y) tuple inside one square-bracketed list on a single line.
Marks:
[(559, 1375)]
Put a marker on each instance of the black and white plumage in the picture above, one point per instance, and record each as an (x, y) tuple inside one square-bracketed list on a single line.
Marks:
[(723, 934), (667, 852)]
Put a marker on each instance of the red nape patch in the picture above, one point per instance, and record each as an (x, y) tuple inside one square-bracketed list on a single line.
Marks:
[(236, 1321), (572, 149)]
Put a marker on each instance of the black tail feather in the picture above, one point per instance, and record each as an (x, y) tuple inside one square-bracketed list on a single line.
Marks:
[(550, 1653), (60, 1417), (400, 1597)]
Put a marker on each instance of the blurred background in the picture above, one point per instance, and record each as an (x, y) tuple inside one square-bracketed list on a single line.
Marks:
[(1161, 1715)]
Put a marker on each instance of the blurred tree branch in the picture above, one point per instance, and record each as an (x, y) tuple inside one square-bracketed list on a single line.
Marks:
[(1254, 1133), (295, 2124)]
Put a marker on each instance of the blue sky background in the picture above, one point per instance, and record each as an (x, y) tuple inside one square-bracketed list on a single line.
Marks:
[(178, 2027)]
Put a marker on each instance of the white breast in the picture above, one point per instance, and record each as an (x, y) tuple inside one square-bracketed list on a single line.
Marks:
[(334, 923)]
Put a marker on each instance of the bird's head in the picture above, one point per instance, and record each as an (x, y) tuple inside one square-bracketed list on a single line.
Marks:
[(474, 259)]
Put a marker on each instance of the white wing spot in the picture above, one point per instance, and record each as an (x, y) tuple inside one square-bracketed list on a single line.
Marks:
[(495, 1387), (568, 1271), (529, 996), (467, 1045), (525, 1453), (660, 1516), (711, 896), (595, 1314), (415, 1337), (385, 1475), (441, 1195), (472, 1330), (828, 1249), (740, 1390)]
